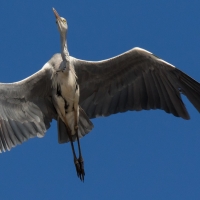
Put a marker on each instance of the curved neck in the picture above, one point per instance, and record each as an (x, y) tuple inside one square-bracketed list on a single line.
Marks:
[(64, 49)]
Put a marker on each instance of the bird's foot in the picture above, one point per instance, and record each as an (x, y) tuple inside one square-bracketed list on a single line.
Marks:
[(79, 164)]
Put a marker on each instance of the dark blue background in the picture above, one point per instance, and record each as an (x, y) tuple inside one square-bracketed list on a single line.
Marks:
[(135, 155)]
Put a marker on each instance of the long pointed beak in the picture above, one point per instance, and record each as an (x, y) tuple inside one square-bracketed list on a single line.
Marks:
[(56, 15)]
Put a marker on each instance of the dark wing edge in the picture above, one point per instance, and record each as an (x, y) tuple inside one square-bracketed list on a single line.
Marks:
[(25, 109), (135, 80)]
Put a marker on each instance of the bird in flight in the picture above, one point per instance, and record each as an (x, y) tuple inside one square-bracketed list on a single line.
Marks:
[(73, 91)]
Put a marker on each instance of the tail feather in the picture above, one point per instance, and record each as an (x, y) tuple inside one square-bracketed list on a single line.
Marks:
[(84, 127), (62, 132)]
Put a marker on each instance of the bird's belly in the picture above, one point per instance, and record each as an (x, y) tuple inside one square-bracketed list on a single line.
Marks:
[(66, 93), (70, 95), (69, 87), (66, 98), (66, 104)]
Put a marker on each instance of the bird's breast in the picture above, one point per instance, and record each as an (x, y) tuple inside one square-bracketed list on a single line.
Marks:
[(68, 86)]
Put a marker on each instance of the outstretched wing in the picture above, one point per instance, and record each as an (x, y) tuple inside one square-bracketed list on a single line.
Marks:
[(26, 109), (134, 80)]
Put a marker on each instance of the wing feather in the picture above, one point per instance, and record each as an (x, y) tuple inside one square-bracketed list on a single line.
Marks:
[(134, 80), (144, 92), (136, 104), (26, 109)]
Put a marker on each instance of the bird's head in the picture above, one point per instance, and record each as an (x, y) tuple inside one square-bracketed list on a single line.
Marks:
[(61, 22)]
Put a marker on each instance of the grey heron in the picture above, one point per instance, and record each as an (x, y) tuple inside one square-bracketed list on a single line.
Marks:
[(134, 80), (65, 97)]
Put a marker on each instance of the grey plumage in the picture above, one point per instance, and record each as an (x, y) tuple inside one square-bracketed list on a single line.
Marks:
[(135, 80), (26, 109)]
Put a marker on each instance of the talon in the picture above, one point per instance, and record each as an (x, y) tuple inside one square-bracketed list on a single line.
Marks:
[(82, 171), (78, 168), (79, 164)]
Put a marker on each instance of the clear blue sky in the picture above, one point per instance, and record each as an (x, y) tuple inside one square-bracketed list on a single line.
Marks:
[(135, 155)]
